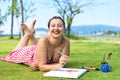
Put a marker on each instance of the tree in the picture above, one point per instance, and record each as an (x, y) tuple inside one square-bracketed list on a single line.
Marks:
[(22, 17), (25, 9), (2, 18), (68, 9), (14, 12), (16, 9)]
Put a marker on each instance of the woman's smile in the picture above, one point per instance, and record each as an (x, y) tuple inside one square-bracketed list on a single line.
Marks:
[(56, 32)]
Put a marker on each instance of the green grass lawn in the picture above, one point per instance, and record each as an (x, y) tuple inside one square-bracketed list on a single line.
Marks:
[(82, 54)]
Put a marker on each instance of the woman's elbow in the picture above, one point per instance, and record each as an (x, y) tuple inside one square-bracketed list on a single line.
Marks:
[(42, 68)]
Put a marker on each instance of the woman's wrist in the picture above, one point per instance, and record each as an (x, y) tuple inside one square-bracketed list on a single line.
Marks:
[(61, 65)]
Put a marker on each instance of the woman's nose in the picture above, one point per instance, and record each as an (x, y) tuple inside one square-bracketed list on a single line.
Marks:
[(55, 27)]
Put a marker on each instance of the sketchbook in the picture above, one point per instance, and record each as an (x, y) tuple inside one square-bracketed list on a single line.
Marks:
[(66, 73)]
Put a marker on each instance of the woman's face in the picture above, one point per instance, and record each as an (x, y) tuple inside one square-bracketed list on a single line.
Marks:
[(56, 28)]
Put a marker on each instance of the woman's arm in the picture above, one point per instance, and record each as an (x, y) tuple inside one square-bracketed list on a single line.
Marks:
[(66, 48), (66, 52)]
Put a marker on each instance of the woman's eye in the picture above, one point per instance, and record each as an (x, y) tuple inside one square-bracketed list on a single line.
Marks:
[(59, 25), (52, 25)]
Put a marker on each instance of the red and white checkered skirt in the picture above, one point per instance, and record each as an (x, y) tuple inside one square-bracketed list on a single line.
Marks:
[(25, 55)]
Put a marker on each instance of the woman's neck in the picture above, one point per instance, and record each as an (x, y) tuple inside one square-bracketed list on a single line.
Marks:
[(55, 42)]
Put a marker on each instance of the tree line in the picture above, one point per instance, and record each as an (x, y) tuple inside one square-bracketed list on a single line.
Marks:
[(67, 9)]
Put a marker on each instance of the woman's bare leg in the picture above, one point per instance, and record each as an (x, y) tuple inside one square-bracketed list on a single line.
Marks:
[(32, 38), (33, 41), (32, 26), (24, 41)]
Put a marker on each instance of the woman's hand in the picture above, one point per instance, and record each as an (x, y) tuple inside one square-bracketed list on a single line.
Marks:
[(63, 60), (34, 66)]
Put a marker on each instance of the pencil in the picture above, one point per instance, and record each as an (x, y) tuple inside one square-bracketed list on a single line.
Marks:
[(60, 53)]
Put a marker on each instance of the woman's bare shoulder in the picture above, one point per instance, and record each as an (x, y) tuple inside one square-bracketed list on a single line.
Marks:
[(43, 40), (66, 40)]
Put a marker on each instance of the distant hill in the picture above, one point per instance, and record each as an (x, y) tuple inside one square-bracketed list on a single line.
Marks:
[(83, 30), (95, 28), (92, 29), (41, 29), (89, 30)]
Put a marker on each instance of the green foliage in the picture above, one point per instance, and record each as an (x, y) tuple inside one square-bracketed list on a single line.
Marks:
[(69, 21), (69, 9), (71, 36), (119, 33), (82, 54), (2, 18)]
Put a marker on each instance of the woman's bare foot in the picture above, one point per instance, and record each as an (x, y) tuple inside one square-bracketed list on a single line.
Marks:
[(25, 28), (32, 27)]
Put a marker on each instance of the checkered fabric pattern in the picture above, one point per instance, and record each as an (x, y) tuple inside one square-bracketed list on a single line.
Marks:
[(24, 55)]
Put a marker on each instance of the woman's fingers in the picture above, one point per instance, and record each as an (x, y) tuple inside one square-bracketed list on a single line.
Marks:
[(64, 59)]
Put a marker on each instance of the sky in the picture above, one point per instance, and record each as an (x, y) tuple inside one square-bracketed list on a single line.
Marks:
[(108, 14)]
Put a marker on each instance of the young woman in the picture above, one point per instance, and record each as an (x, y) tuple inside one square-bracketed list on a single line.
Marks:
[(45, 54)]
